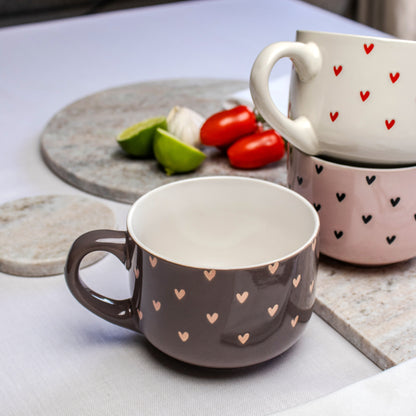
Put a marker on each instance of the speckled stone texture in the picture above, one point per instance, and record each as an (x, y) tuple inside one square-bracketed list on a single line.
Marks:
[(374, 308), (37, 232), (79, 143)]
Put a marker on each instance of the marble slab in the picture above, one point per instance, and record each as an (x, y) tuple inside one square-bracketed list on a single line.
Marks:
[(37, 232), (374, 308), (79, 143)]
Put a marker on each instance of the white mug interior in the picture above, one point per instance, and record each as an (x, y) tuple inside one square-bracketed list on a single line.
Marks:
[(222, 222)]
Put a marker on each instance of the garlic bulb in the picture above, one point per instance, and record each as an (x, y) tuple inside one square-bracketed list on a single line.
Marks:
[(185, 124)]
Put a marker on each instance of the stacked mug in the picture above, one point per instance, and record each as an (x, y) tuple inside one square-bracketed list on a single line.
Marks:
[(351, 129)]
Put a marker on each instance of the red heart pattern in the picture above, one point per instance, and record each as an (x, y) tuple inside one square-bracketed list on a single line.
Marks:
[(390, 123), (394, 77), (364, 95), (337, 70), (368, 48), (334, 116)]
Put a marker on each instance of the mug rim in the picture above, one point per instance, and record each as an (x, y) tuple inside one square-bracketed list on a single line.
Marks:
[(383, 37), (281, 188), (347, 166)]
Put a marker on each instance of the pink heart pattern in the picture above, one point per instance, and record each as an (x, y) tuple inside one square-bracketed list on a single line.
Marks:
[(213, 317)]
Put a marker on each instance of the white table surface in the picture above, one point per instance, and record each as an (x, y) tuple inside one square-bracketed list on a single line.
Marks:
[(55, 356)]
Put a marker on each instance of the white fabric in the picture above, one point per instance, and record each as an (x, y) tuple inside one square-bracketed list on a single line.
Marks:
[(389, 393)]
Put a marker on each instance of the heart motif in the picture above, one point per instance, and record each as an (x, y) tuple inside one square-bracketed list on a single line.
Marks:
[(272, 310), (391, 239), (156, 305), (273, 267), (183, 336), (334, 116), (212, 318), (364, 95), (317, 206), (394, 201), (390, 124), (294, 321), (366, 219), (209, 274), (153, 261), (337, 70), (394, 77), (368, 48), (140, 313), (242, 297), (370, 180), (340, 197), (243, 338), (137, 273), (314, 245), (180, 293), (319, 169), (338, 234), (296, 281), (300, 180), (311, 286)]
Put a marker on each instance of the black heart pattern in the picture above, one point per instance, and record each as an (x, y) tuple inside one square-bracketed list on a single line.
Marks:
[(300, 180), (391, 239), (319, 169), (340, 197), (366, 218), (394, 201), (371, 179), (318, 207), (338, 234)]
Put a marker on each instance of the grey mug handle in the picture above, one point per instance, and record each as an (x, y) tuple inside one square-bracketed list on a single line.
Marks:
[(119, 312)]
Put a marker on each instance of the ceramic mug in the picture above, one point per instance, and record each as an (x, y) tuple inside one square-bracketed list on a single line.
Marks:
[(222, 269), (351, 97), (368, 215)]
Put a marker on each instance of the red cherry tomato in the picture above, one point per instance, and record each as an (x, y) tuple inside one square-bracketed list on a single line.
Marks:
[(256, 150), (223, 128)]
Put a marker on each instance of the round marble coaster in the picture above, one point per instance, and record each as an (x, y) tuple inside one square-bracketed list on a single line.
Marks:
[(38, 232), (79, 143)]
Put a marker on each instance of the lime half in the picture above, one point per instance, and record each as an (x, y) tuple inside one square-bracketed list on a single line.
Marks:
[(174, 155), (137, 140)]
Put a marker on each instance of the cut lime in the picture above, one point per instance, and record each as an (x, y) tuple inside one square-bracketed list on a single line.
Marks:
[(174, 155), (137, 140)]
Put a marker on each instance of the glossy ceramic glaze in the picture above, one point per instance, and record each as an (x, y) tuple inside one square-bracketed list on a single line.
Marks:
[(222, 270), (351, 97), (368, 215)]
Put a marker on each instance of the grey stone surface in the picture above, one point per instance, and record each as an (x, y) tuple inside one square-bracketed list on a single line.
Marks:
[(374, 308), (37, 232), (79, 143)]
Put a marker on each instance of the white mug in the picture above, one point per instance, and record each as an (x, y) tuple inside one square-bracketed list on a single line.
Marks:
[(351, 97)]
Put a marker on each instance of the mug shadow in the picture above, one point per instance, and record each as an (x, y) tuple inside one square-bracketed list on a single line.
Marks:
[(358, 271)]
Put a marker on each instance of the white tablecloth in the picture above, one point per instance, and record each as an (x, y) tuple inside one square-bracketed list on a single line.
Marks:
[(56, 357)]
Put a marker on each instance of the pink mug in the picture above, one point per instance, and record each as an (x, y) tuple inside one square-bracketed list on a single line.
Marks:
[(368, 215)]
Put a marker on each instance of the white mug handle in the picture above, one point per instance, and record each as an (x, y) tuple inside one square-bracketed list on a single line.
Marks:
[(307, 61)]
